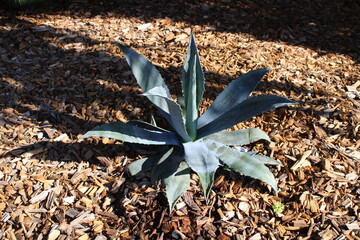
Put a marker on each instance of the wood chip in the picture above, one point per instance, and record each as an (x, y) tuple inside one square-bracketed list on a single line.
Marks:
[(40, 197), (61, 75), (188, 199), (353, 226), (54, 234), (302, 162)]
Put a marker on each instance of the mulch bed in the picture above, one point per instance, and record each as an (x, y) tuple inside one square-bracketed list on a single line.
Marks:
[(61, 74)]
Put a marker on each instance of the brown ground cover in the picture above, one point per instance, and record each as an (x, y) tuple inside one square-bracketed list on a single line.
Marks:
[(61, 75)]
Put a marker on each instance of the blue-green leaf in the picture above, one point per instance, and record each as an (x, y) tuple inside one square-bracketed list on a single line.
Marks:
[(193, 87), (142, 165), (236, 92), (239, 137), (167, 164), (142, 147), (177, 183), (207, 180), (133, 134), (146, 125), (148, 78), (241, 112), (242, 163), (174, 113)]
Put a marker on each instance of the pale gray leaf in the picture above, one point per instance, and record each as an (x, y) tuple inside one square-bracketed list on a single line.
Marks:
[(207, 180), (199, 157), (267, 160), (239, 137)]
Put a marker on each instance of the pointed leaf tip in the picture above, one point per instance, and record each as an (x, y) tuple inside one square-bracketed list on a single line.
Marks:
[(177, 183), (240, 112), (123, 48), (154, 88), (203, 161), (243, 163), (235, 93), (193, 87)]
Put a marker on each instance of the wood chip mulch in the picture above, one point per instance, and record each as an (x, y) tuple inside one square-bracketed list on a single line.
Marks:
[(61, 74)]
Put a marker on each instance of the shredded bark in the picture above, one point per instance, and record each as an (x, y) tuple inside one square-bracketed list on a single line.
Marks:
[(62, 74)]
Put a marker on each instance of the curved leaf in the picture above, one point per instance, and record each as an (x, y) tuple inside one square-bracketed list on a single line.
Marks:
[(241, 112), (167, 164), (177, 183), (193, 87), (142, 147), (239, 137), (243, 163), (146, 125), (148, 78), (174, 114), (236, 92), (133, 134), (142, 165)]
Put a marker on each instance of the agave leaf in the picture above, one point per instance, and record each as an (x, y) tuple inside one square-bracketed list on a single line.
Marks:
[(142, 147), (202, 161), (149, 148), (236, 92), (199, 157), (207, 180), (175, 115), (239, 137), (177, 183), (142, 165), (181, 102), (146, 125), (267, 160), (148, 78), (242, 163), (153, 121), (133, 134), (241, 112), (167, 164), (193, 87)]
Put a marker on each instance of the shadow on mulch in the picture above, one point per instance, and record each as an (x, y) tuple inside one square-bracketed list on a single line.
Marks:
[(52, 85), (323, 25)]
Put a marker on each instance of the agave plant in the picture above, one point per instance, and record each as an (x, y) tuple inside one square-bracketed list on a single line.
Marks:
[(195, 143)]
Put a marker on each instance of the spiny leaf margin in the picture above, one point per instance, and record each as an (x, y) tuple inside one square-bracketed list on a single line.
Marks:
[(133, 134)]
